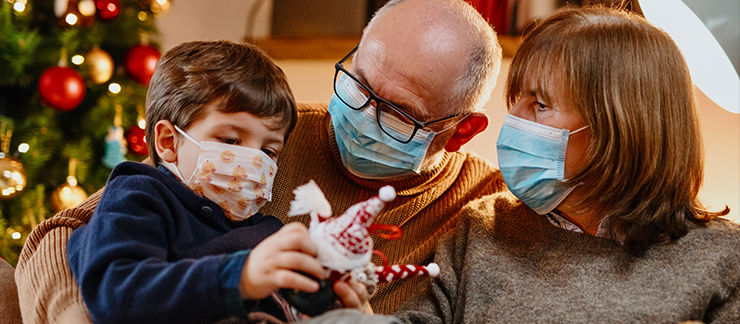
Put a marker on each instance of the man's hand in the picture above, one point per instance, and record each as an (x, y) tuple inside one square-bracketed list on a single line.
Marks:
[(274, 263), (353, 294)]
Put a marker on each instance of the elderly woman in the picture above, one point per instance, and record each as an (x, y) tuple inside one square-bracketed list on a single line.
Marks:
[(602, 148)]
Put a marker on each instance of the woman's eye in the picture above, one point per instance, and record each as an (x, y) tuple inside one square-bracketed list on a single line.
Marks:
[(230, 141), (539, 107)]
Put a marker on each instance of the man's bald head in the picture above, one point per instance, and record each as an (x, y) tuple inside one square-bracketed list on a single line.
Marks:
[(438, 33)]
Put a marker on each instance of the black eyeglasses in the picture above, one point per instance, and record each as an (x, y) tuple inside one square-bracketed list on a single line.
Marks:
[(393, 121)]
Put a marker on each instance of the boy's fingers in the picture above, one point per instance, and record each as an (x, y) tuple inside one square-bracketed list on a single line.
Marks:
[(294, 280), (295, 237), (296, 261)]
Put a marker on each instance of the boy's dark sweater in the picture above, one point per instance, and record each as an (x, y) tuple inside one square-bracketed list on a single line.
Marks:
[(154, 251)]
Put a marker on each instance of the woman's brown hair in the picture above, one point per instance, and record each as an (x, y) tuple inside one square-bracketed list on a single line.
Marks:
[(629, 82)]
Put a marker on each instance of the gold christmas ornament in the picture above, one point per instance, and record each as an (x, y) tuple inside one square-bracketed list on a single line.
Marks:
[(69, 194), (12, 176), (86, 7), (100, 64)]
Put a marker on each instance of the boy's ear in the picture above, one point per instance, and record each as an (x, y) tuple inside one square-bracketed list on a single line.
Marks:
[(165, 141), (471, 126)]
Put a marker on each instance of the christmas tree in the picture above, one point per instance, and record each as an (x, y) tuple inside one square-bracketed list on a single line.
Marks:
[(73, 81)]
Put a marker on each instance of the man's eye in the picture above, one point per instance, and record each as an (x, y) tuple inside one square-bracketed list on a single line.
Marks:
[(230, 141)]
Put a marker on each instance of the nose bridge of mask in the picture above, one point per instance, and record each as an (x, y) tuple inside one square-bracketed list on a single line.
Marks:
[(543, 131)]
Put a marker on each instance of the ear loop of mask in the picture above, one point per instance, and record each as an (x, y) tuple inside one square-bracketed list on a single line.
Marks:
[(580, 183), (187, 136), (571, 133), (172, 166)]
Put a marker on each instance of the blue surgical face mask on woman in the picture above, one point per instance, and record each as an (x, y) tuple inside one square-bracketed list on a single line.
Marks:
[(531, 157), (369, 153)]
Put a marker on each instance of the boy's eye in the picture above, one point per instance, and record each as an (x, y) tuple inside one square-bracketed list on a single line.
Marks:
[(272, 154), (230, 141)]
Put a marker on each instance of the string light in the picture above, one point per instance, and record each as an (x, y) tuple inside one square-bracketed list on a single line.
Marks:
[(16, 235), (114, 87), (23, 148), (78, 59), (140, 120), (19, 5), (143, 15), (71, 19), (160, 7)]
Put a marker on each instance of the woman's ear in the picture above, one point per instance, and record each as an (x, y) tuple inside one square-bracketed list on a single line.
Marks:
[(165, 141), (471, 126)]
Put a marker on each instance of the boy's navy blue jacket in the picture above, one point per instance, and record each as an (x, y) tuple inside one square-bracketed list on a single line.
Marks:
[(154, 251)]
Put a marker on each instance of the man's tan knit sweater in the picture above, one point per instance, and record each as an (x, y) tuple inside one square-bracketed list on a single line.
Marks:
[(426, 207)]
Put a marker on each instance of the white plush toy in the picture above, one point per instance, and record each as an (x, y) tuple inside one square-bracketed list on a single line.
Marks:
[(344, 244)]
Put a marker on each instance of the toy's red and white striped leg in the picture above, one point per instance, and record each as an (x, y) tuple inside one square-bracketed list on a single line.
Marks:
[(403, 271)]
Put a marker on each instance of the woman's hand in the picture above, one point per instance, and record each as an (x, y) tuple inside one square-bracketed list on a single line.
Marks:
[(274, 263), (353, 294)]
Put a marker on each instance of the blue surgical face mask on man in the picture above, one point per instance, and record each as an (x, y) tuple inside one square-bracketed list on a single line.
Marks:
[(531, 157), (369, 153)]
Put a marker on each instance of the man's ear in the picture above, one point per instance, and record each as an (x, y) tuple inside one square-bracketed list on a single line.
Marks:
[(471, 126), (165, 141)]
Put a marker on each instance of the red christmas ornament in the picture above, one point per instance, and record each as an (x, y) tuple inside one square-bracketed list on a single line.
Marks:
[(137, 140), (140, 63), (61, 88), (108, 9)]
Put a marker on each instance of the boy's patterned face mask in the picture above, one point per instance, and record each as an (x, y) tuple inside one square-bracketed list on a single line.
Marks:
[(237, 178)]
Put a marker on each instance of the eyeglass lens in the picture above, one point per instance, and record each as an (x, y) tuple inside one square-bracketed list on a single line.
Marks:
[(394, 124)]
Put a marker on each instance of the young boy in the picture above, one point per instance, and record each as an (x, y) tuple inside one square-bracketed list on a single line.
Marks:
[(184, 242)]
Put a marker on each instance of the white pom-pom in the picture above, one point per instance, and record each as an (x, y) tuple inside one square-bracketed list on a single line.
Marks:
[(387, 193), (433, 269), (309, 199)]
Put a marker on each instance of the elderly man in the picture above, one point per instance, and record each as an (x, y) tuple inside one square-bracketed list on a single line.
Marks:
[(426, 68)]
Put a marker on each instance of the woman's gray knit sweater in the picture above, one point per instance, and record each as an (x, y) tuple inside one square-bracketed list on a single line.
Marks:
[(506, 264)]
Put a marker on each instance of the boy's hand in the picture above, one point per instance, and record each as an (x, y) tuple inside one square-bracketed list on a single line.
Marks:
[(353, 294), (274, 263)]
